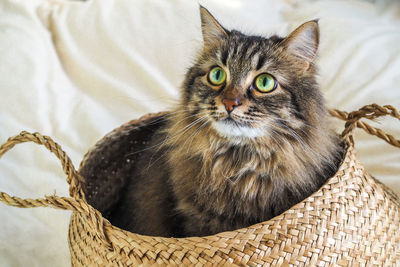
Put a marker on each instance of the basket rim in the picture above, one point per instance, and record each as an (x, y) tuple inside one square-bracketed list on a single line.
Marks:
[(110, 229)]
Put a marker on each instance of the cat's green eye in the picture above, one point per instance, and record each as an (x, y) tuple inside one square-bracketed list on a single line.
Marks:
[(216, 76), (265, 83)]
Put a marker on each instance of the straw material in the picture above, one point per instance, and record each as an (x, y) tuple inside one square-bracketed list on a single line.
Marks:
[(351, 220)]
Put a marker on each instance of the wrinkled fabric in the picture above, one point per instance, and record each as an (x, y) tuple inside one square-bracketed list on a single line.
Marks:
[(77, 70)]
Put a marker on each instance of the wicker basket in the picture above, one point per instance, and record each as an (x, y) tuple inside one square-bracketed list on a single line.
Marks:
[(351, 220)]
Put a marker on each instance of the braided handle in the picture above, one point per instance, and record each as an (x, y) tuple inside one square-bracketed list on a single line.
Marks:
[(76, 203), (371, 112), (74, 180), (64, 203)]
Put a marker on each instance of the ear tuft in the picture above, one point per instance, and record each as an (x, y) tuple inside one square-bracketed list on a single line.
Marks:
[(211, 29), (303, 42)]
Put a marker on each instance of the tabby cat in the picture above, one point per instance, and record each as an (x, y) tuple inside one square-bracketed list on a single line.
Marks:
[(249, 139)]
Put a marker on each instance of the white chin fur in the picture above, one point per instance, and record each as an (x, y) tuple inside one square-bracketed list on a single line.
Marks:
[(231, 130)]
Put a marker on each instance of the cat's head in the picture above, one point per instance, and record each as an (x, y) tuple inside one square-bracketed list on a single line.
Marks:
[(248, 87)]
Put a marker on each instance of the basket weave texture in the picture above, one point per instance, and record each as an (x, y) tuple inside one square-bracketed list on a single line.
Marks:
[(351, 220)]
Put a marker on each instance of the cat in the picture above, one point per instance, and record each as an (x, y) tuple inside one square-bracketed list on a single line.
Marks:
[(249, 139)]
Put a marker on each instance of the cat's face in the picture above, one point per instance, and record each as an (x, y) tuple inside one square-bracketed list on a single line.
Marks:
[(251, 87)]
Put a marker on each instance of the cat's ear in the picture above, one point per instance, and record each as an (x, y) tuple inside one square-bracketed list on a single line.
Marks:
[(303, 41), (210, 27)]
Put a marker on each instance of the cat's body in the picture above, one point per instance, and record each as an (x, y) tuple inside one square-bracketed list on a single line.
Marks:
[(237, 152)]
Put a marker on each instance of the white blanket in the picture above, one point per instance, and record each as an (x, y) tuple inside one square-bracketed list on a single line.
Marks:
[(76, 70)]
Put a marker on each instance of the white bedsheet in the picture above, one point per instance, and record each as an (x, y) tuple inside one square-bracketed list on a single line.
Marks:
[(76, 70)]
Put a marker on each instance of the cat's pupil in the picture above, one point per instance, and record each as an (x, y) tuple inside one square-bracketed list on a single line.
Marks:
[(217, 75), (264, 82)]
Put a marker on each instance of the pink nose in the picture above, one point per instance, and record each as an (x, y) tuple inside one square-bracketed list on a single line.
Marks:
[(230, 104)]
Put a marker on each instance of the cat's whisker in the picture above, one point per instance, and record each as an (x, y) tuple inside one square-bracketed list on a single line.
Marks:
[(179, 133), (293, 122), (195, 134), (304, 144), (287, 130), (188, 127), (276, 135), (161, 143), (301, 141)]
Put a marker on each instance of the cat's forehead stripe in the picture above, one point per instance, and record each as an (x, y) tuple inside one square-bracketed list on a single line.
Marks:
[(261, 61), (234, 51), (224, 56), (244, 51), (256, 49)]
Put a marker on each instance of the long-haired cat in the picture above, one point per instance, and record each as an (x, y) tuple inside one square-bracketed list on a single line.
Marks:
[(249, 139)]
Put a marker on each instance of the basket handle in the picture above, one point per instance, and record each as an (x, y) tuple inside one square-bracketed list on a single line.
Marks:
[(76, 202), (371, 112), (74, 180)]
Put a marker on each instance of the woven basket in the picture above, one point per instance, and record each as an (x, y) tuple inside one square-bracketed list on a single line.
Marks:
[(351, 220)]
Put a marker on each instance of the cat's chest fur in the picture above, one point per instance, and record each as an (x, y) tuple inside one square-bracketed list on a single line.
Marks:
[(227, 186)]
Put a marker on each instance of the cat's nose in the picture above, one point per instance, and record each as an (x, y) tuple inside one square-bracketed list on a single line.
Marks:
[(230, 104)]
